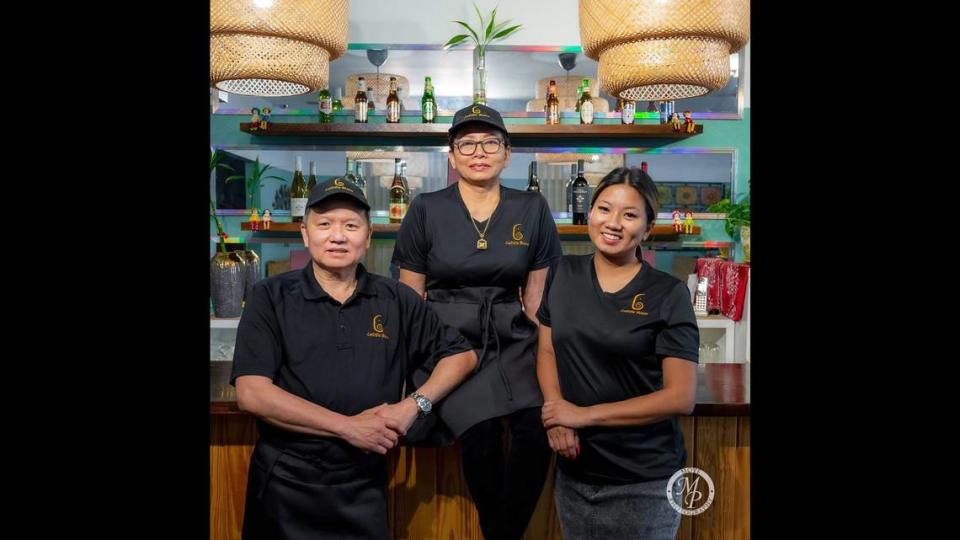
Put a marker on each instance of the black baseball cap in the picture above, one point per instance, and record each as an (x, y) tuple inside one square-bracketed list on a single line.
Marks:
[(337, 186), (477, 113)]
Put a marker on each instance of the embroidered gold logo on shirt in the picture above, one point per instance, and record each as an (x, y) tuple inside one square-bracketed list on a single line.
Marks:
[(377, 328), (636, 306), (517, 236)]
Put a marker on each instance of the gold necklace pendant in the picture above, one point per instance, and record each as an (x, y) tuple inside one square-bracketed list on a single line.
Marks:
[(481, 244)]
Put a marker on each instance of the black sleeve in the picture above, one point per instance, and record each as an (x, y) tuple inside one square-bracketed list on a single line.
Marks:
[(681, 336), (543, 314), (412, 246), (548, 248), (258, 350), (427, 339)]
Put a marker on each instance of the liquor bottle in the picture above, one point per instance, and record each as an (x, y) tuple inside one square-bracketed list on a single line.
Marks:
[(360, 102), (337, 104), (326, 106), (298, 193), (585, 105), (428, 104), (573, 176), (552, 108), (358, 174), (348, 172), (398, 196), (312, 179), (629, 109), (581, 196), (393, 103), (533, 183), (666, 111)]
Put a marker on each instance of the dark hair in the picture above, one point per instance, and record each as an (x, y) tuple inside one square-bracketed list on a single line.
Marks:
[(638, 180)]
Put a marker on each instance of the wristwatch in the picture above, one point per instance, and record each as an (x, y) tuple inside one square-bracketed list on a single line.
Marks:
[(423, 403)]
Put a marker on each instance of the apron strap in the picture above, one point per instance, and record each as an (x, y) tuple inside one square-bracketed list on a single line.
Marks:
[(488, 326)]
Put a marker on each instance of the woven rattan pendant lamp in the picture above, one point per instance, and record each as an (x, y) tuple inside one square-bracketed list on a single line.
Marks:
[(275, 47), (663, 49)]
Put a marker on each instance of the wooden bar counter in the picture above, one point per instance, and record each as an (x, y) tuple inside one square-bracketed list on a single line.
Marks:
[(428, 496)]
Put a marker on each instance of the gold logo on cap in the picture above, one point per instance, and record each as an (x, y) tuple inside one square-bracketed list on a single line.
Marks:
[(338, 184), (475, 111)]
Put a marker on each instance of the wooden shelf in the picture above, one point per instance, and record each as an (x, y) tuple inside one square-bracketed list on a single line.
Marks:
[(290, 227), (521, 135), (563, 229)]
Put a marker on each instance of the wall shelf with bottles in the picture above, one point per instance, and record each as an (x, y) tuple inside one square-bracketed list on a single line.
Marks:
[(393, 228), (521, 135)]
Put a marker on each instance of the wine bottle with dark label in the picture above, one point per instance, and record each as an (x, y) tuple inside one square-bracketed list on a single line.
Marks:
[(581, 196), (533, 183), (398, 195)]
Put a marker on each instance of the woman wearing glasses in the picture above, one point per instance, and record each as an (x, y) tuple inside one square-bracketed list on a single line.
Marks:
[(480, 252)]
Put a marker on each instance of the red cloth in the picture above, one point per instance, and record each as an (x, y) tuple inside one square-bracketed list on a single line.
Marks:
[(726, 285)]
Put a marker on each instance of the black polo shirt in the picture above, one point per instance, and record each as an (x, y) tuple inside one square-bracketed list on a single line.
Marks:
[(610, 347), (438, 239), (345, 357)]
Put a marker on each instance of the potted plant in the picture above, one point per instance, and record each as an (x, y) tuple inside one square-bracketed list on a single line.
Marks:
[(253, 182), (484, 35), (737, 222), (227, 270), (214, 165)]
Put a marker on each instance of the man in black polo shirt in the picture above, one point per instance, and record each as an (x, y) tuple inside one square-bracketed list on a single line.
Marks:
[(320, 354)]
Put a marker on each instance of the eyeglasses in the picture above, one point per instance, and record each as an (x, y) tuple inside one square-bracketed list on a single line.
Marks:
[(468, 148)]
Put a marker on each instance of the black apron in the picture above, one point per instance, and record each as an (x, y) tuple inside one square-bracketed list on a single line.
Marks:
[(505, 340), (310, 490)]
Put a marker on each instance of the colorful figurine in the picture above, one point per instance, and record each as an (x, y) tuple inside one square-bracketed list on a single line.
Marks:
[(688, 222), (265, 118), (254, 119), (266, 219), (677, 224), (675, 121), (254, 220), (688, 121)]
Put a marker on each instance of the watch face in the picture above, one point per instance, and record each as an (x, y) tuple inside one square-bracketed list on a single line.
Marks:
[(424, 404)]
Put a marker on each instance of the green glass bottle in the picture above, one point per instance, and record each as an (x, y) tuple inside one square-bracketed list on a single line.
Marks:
[(326, 106), (428, 104)]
